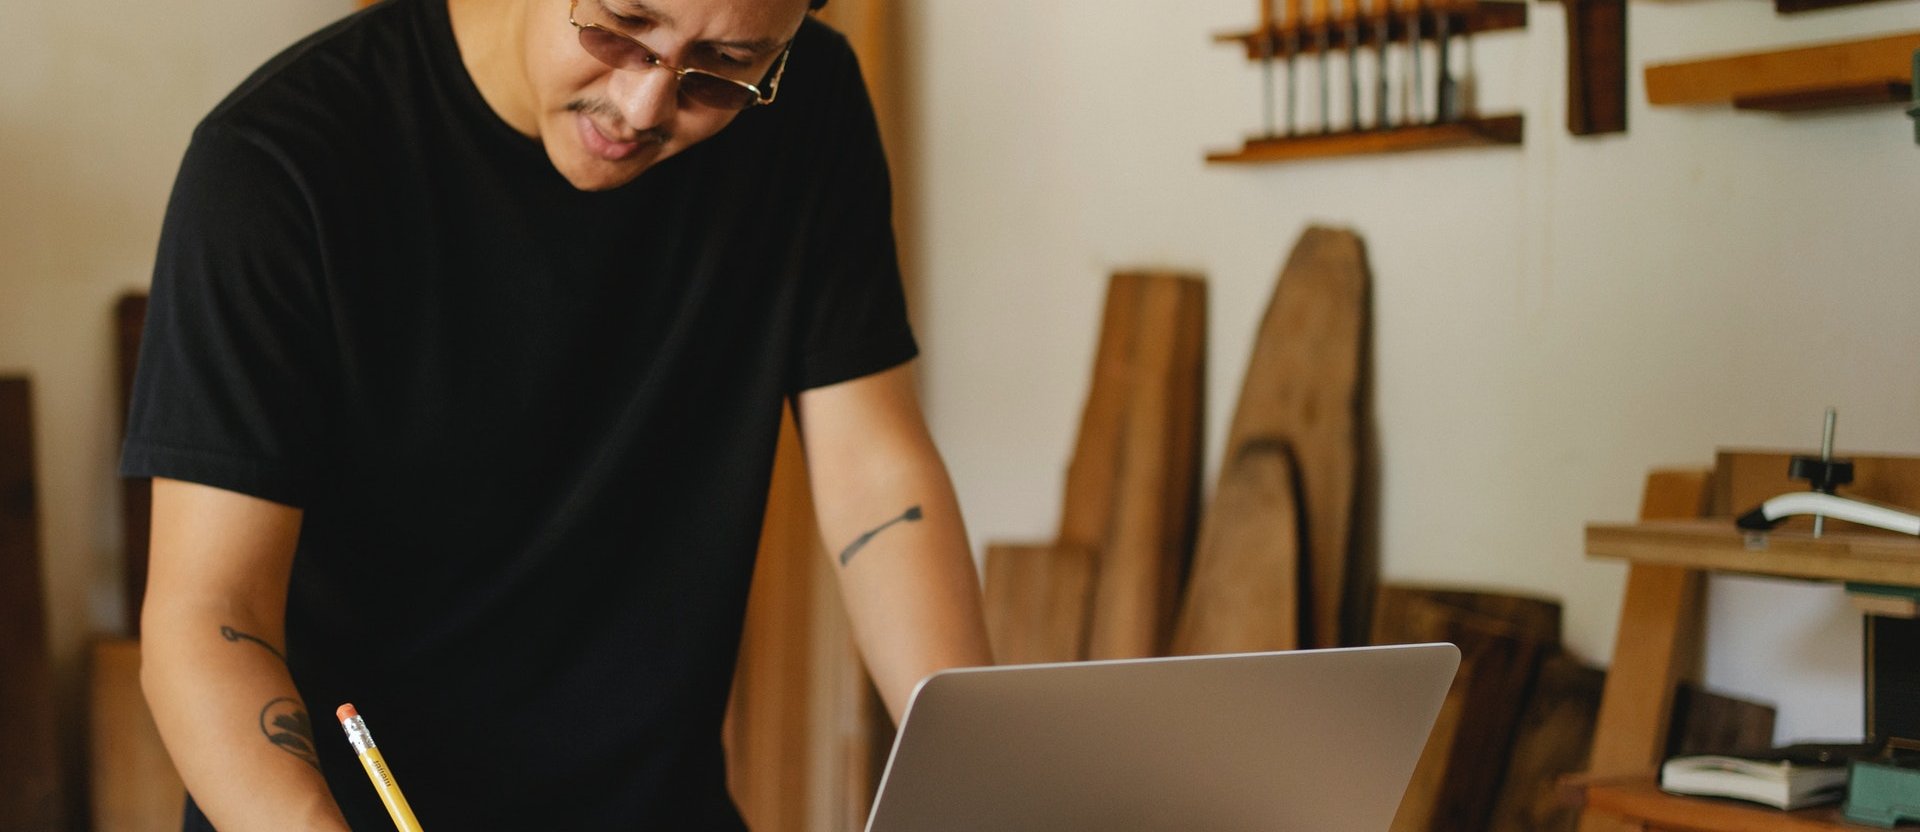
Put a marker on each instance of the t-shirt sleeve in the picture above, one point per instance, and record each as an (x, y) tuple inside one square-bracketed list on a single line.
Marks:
[(233, 363), (854, 314)]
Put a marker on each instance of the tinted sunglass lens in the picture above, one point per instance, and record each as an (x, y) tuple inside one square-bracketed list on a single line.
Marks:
[(611, 49), (716, 92)]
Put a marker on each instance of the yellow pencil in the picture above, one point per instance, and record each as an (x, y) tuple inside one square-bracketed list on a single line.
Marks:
[(377, 770)]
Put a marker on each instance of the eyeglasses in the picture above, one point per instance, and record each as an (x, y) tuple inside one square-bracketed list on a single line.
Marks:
[(621, 51)]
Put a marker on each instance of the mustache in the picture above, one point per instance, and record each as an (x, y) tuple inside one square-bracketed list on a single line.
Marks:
[(605, 109)]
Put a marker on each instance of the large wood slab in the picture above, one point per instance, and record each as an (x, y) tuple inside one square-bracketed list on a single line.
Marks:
[(1243, 595), (1149, 533), (134, 786), (1303, 388), (1502, 640), (136, 495), (1551, 742), (1037, 598), (30, 787)]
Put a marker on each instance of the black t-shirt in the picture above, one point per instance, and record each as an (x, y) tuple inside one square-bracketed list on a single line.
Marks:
[(531, 427)]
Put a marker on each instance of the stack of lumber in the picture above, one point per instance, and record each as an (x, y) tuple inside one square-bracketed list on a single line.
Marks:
[(1125, 578), (30, 793), (1108, 586)]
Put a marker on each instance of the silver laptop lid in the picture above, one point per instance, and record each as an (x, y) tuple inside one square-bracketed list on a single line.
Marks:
[(1302, 740)]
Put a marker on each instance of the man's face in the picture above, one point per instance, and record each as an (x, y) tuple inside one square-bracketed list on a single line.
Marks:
[(602, 126)]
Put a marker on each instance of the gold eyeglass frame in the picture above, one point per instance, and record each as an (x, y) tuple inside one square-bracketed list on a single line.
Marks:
[(760, 99)]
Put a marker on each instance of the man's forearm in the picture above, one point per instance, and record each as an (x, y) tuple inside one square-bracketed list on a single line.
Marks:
[(235, 727)]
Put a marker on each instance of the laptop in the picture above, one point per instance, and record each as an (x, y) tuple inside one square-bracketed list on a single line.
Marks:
[(1301, 741)]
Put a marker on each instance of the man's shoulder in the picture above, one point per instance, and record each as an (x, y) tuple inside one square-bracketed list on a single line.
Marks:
[(329, 85)]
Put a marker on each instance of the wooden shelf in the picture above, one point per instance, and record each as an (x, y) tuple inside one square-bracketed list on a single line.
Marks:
[(1846, 73), (1644, 802), (1716, 545), (1464, 18), (1497, 130)]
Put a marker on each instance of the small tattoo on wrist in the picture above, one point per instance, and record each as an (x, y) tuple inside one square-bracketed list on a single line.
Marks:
[(846, 555)]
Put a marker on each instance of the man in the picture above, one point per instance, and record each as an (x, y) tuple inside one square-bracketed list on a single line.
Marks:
[(471, 328)]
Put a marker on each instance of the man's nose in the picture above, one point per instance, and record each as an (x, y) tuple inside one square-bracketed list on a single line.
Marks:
[(647, 98)]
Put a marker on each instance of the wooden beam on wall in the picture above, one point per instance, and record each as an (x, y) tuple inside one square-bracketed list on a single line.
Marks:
[(30, 787)]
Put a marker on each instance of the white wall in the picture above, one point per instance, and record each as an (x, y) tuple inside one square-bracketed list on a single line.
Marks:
[(95, 109), (1550, 322)]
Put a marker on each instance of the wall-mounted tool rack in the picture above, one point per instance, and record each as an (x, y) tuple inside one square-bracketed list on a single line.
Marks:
[(1375, 27), (1847, 73)]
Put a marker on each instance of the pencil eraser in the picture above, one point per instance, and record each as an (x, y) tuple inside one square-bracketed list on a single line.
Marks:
[(346, 712)]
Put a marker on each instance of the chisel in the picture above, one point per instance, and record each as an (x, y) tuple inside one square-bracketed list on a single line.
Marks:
[(1266, 36), (1416, 85), (1446, 107), (1350, 12), (1382, 38), (1322, 23), (1293, 67)]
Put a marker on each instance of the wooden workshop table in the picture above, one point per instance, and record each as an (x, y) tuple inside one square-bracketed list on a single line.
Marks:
[(1658, 629)]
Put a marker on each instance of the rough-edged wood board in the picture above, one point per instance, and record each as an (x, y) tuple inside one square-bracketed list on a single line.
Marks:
[(1243, 595), (792, 756), (1037, 597), (1144, 553), (1093, 474), (134, 787), (1458, 775), (1303, 386), (1838, 64), (1743, 479), (1705, 722), (136, 495), (1551, 742), (1659, 627), (30, 786)]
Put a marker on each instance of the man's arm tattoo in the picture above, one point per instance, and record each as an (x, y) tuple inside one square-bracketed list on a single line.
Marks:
[(234, 635), (284, 721), (846, 554)]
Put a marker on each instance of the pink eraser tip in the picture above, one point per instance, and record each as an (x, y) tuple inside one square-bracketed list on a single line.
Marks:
[(346, 712)]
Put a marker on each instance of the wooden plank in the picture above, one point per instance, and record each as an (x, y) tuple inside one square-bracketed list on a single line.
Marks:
[(30, 784), (1144, 552), (1093, 473), (1596, 66), (1243, 595), (1552, 741), (1037, 599), (134, 787), (1655, 645), (1827, 98), (1745, 478), (1705, 722), (1716, 545), (1822, 66), (1502, 640), (136, 495), (1302, 387)]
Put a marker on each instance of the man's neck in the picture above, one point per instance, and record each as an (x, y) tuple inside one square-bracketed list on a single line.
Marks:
[(492, 48)]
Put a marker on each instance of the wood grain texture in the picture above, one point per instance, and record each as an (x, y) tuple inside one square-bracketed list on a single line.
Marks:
[(1596, 66), (1743, 479), (1302, 387), (1243, 594), (1716, 545), (134, 786), (1654, 647), (1148, 541), (136, 495), (1473, 132), (1037, 598), (1551, 742), (1093, 472), (31, 797), (1839, 64), (1502, 639)]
